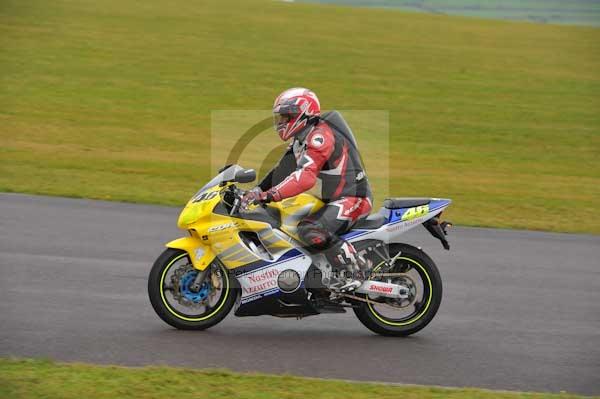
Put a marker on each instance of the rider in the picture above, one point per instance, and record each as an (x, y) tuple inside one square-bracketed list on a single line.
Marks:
[(318, 151)]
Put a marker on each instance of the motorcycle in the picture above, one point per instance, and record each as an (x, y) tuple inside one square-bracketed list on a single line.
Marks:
[(253, 261)]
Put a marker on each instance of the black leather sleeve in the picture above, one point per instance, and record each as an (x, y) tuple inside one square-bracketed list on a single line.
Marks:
[(285, 167)]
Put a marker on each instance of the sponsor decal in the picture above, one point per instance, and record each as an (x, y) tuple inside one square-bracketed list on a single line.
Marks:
[(261, 281), (222, 227), (404, 225), (377, 288), (254, 297), (412, 213), (318, 140), (354, 207)]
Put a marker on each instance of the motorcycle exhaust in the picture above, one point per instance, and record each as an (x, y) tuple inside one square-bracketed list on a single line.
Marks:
[(438, 229)]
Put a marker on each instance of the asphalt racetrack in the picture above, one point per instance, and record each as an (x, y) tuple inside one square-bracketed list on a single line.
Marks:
[(521, 310)]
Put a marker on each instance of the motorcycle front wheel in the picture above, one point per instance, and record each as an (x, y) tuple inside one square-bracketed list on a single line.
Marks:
[(416, 271), (181, 307)]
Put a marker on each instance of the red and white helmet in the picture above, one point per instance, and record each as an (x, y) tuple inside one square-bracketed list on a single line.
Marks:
[(293, 110)]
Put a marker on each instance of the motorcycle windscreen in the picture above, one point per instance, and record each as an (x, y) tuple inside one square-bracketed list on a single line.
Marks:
[(227, 174)]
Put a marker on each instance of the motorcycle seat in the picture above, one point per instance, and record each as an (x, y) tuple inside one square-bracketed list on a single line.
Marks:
[(396, 203), (371, 222)]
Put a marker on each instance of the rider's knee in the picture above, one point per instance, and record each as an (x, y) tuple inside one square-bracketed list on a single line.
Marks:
[(314, 234)]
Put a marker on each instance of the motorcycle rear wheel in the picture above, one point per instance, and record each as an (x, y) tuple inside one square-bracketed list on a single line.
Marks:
[(425, 308), (163, 296)]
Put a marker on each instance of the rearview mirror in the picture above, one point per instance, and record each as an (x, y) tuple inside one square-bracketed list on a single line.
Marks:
[(245, 176)]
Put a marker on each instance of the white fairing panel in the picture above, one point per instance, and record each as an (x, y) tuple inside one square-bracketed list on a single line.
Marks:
[(399, 221), (262, 281)]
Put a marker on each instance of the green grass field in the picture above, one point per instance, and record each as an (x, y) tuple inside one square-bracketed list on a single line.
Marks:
[(45, 379), (113, 100), (576, 12)]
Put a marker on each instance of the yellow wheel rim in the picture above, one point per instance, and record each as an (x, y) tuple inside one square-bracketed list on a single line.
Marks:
[(417, 317), (175, 313)]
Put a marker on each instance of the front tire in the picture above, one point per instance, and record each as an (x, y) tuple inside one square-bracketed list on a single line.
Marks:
[(425, 308), (170, 295)]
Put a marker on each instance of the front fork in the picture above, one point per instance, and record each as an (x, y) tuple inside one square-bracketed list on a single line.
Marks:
[(199, 280)]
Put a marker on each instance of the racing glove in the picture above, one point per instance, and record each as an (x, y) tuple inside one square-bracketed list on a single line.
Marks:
[(257, 196), (251, 197)]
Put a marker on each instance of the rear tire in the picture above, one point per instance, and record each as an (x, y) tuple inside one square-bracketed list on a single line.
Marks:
[(432, 284), (165, 309)]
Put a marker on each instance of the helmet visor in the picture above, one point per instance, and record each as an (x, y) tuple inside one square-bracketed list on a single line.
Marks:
[(280, 120)]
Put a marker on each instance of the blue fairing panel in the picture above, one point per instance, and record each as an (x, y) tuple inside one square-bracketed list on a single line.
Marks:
[(409, 213), (354, 233), (438, 203)]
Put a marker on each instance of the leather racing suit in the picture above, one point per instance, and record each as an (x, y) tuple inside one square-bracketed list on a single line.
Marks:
[(322, 152)]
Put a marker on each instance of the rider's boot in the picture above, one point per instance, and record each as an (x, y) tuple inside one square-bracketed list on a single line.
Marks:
[(351, 266)]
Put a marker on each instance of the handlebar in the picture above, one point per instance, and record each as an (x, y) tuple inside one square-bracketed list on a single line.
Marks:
[(238, 194), (236, 207)]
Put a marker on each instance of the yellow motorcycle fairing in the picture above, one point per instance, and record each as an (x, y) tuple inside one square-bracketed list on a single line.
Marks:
[(200, 254), (213, 234), (293, 210)]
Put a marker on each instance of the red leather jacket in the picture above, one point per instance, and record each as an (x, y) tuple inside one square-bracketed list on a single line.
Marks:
[(319, 152)]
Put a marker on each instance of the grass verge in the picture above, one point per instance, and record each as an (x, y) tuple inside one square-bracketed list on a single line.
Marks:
[(46, 379), (115, 101)]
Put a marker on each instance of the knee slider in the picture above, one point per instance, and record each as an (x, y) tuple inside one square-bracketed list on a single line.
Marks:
[(314, 234)]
